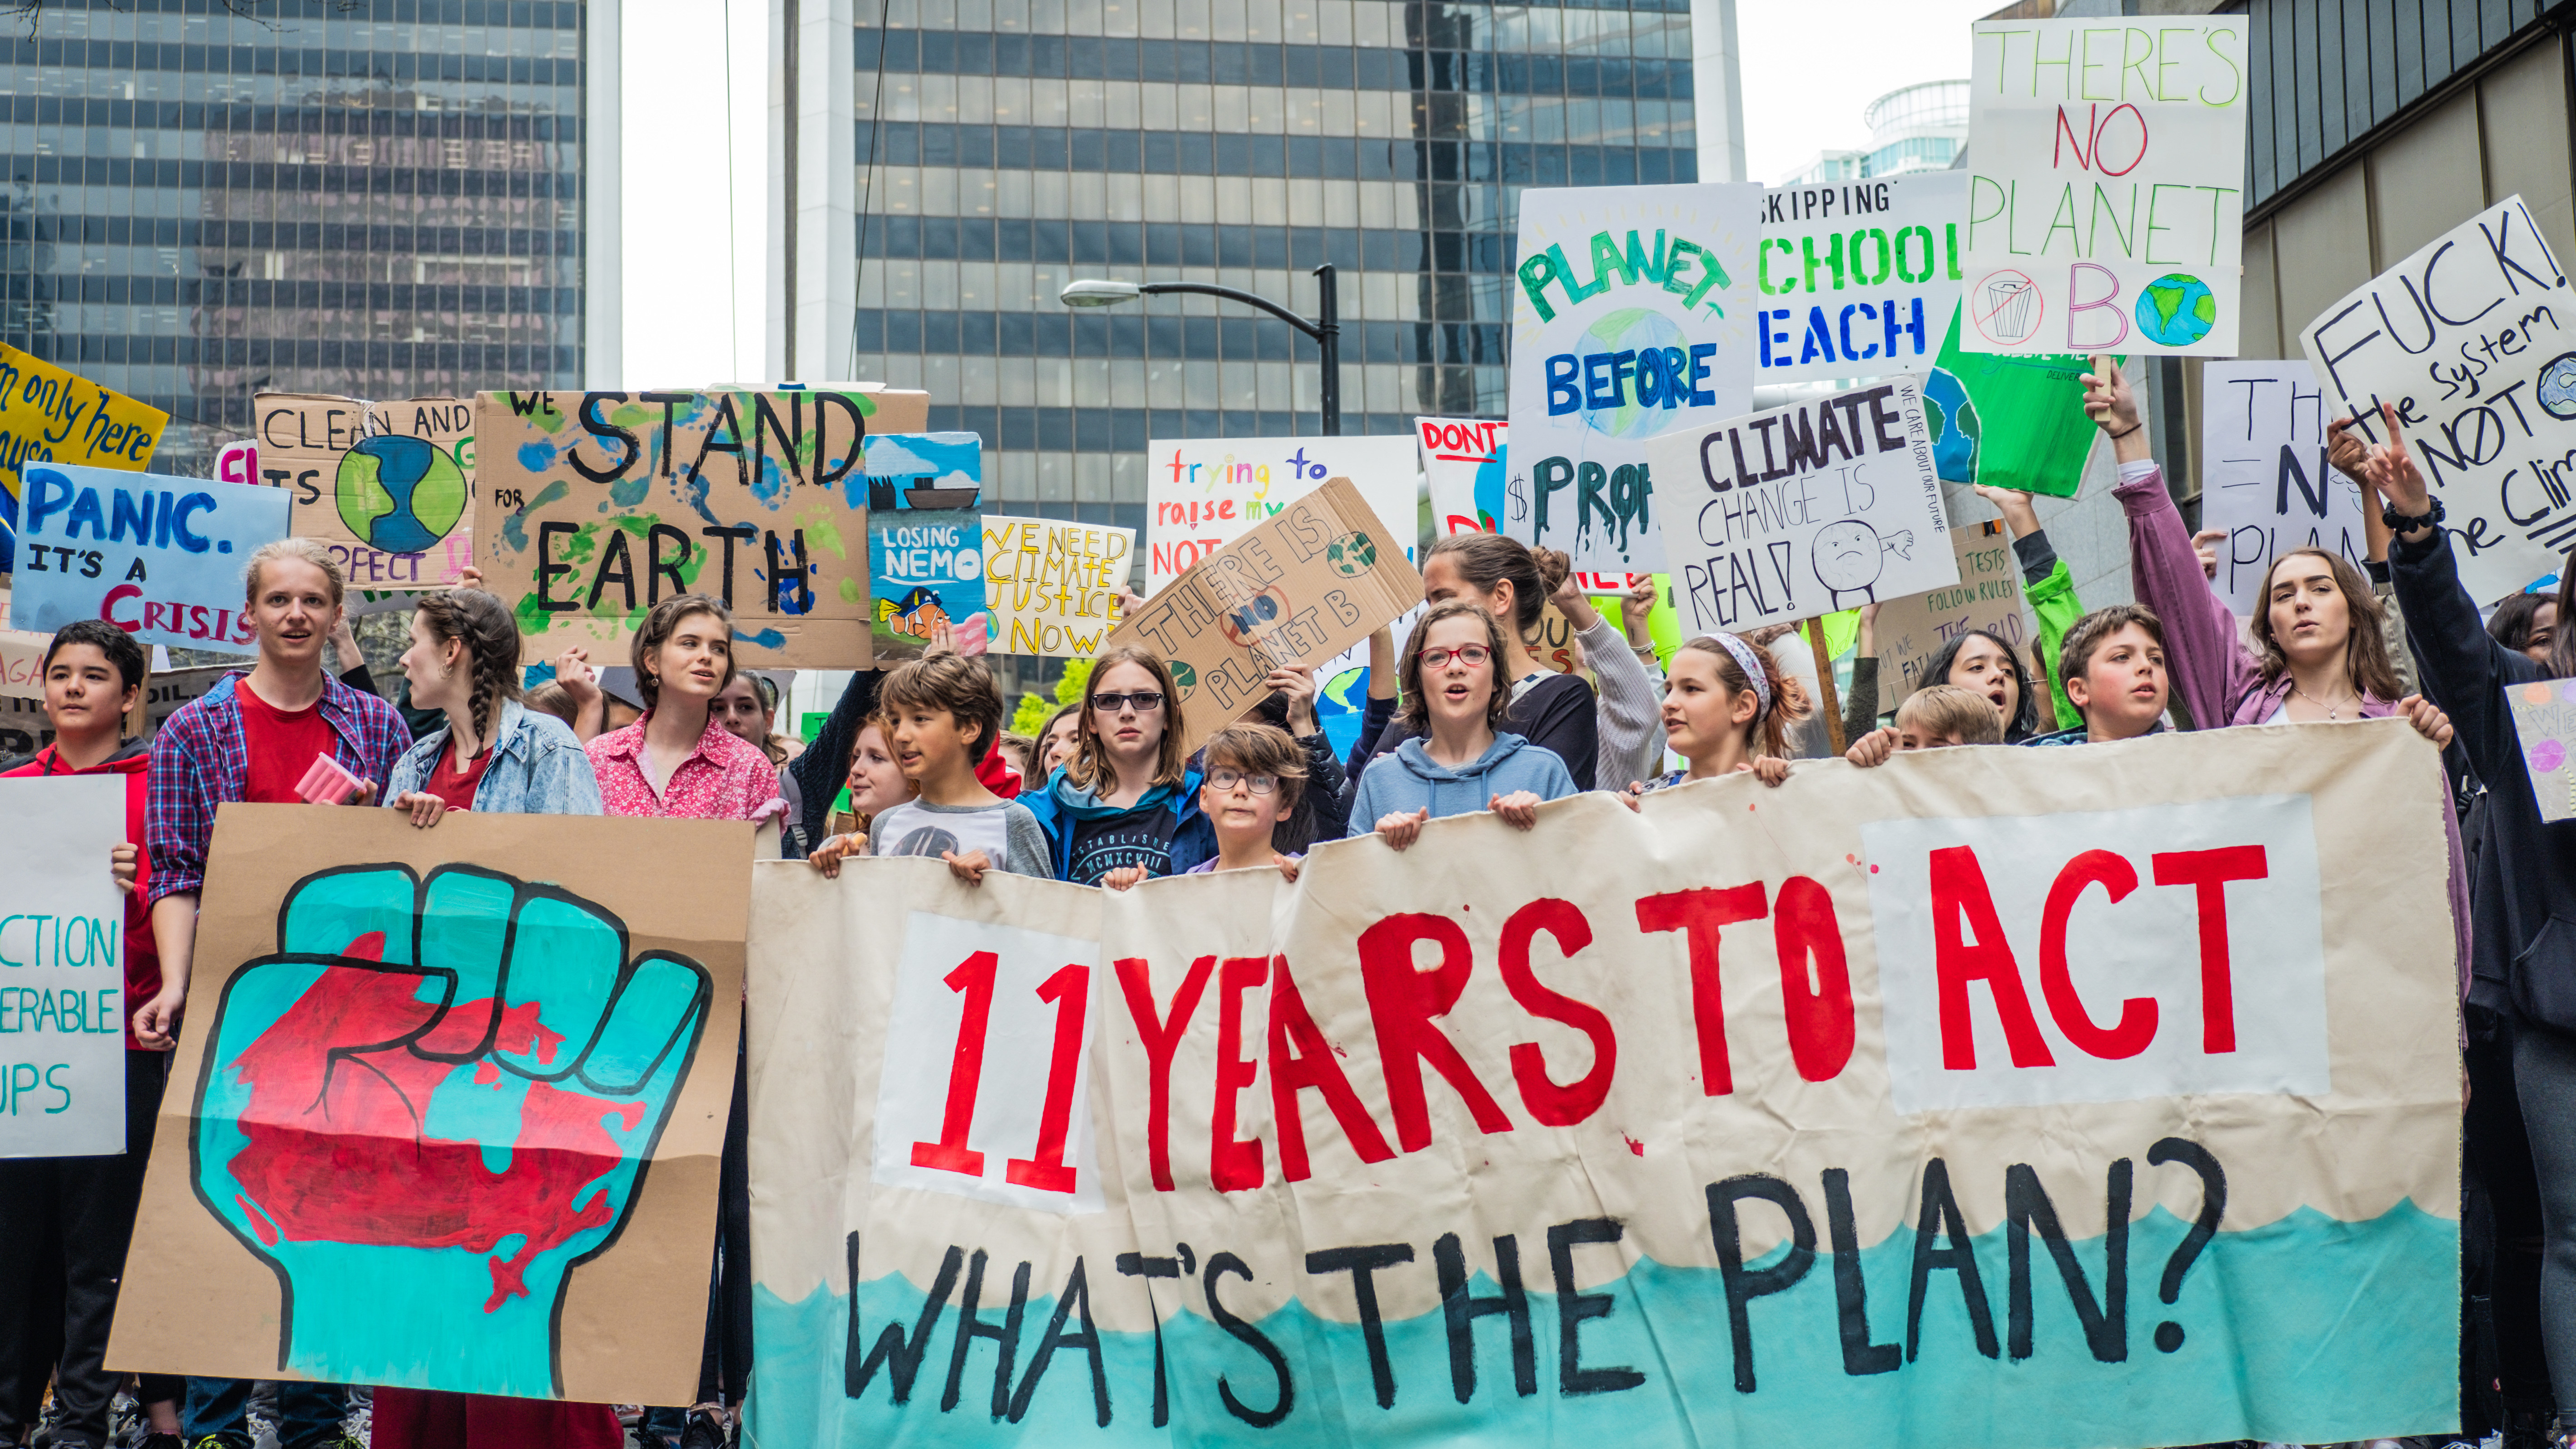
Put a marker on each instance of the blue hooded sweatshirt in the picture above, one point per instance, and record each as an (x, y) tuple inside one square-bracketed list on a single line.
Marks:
[(1409, 779), (1061, 804)]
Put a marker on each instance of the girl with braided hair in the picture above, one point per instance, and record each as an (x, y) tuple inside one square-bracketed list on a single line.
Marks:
[(494, 754)]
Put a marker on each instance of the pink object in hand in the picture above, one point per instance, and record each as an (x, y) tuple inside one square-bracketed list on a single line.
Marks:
[(326, 783)]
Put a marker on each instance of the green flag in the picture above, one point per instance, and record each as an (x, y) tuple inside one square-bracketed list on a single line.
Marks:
[(2009, 422)]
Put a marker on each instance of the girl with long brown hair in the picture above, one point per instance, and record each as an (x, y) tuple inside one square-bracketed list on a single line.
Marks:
[(1126, 803)]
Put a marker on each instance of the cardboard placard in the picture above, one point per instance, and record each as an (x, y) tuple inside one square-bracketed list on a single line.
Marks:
[(355, 1180), (390, 486), (2490, 432), (1348, 1136), (48, 415), (925, 539), (25, 727), (1822, 505), (2265, 478), (2544, 723), (159, 556), (62, 968), (602, 504), (1053, 585), (2106, 167), (1987, 596), (1857, 279), (1631, 314), (22, 664), (1303, 585)]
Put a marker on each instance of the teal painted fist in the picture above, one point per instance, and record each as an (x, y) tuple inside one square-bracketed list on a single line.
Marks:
[(427, 1105)]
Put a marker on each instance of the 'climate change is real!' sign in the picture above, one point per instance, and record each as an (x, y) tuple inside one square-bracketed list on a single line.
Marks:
[(1632, 313), (2106, 166)]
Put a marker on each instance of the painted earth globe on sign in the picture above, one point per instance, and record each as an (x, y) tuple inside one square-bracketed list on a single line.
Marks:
[(1952, 415), (399, 494), (2176, 310), (1634, 329), (2558, 387)]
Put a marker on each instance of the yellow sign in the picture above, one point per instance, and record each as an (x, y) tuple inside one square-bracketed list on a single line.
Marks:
[(48, 415)]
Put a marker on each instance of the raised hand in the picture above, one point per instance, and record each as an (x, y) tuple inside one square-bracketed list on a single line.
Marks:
[(2206, 543), (430, 1102), (2427, 718)]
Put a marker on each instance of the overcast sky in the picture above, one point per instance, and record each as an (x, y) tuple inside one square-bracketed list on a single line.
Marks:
[(1808, 70)]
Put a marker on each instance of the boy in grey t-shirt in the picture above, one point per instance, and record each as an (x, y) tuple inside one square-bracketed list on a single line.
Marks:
[(940, 713), (1005, 831)]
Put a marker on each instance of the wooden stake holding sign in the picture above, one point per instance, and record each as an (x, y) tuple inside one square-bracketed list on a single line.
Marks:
[(1312, 580), (1826, 698)]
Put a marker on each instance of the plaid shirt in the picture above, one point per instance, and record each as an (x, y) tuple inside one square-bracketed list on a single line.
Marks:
[(200, 761)]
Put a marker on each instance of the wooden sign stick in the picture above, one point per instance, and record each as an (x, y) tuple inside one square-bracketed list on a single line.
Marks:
[(1825, 684)]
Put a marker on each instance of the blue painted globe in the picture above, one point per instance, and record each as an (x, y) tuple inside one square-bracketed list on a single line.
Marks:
[(1625, 330), (1953, 418), (2558, 387), (2176, 310)]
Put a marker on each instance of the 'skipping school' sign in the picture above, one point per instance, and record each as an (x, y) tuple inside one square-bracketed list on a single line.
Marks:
[(1632, 313), (2106, 166), (1857, 279)]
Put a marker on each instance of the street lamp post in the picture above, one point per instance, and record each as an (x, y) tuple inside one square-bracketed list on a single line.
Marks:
[(1326, 328)]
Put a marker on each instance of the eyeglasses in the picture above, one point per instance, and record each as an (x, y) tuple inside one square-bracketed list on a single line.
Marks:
[(1474, 654), (1145, 701), (1223, 780)]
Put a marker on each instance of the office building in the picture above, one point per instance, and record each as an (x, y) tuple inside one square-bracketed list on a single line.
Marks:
[(1914, 128), (375, 197)]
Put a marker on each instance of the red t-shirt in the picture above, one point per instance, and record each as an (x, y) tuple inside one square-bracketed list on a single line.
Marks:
[(453, 785), (281, 744)]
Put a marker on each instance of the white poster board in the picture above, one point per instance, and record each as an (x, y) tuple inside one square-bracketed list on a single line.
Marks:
[(1463, 463), (1052, 585), (62, 968), (2264, 474), (1201, 493), (1857, 280), (2106, 167), (1825, 504), (1631, 312), (2487, 402), (1988, 596)]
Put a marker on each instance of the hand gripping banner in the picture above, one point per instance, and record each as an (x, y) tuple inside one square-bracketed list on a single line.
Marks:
[(1994, 1099)]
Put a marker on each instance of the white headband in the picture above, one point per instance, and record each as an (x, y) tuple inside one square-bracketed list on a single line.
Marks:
[(1746, 658)]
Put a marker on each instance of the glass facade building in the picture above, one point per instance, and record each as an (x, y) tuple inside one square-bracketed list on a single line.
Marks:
[(373, 197), (1006, 147)]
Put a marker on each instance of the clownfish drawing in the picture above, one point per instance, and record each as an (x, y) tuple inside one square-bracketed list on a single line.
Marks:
[(916, 613)]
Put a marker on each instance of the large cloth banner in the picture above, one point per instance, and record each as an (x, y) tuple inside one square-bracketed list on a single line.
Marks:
[(1997, 1099), (1858, 279), (2106, 167), (1631, 319), (2493, 431), (48, 415), (600, 505), (409, 1126), (2265, 476), (62, 968)]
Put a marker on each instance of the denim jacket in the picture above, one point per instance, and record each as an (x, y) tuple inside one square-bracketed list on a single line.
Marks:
[(537, 768)]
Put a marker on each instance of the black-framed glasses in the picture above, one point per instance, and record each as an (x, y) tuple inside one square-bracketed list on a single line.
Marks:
[(1224, 779), (1474, 654), (1145, 701)]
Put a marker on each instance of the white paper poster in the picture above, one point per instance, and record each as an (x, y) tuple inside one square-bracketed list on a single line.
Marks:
[(1632, 314), (1822, 505), (2106, 167), (2264, 474), (62, 968), (1857, 280), (1202, 492), (2483, 376), (1463, 461)]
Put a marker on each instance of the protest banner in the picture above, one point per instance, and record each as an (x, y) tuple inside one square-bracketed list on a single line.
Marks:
[(1053, 585), (408, 1127), (1303, 585), (2009, 422), (158, 556), (1987, 596), (2265, 478), (1822, 505), (925, 538), (2493, 431), (22, 664), (2544, 724), (25, 727), (1629, 313), (48, 415), (237, 462), (1462, 471), (605, 503), (1166, 1166), (62, 968), (1867, 273), (2106, 166), (388, 485), (1202, 493)]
